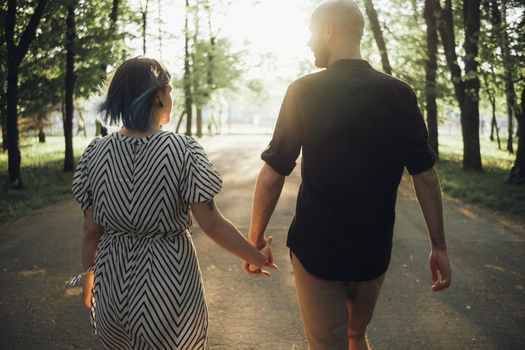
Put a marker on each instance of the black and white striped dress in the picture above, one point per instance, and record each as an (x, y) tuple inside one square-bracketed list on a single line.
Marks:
[(148, 291)]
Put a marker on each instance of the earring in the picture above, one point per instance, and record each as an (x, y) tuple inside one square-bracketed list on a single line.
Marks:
[(161, 104)]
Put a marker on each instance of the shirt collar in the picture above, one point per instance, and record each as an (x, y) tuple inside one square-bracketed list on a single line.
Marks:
[(351, 63)]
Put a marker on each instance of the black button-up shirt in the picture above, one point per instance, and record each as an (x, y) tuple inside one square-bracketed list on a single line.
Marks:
[(358, 129)]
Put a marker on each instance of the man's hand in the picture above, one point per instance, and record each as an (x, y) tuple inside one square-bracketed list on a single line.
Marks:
[(264, 246), (440, 269)]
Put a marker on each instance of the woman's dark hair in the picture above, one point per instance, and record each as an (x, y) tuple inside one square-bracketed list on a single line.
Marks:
[(131, 91)]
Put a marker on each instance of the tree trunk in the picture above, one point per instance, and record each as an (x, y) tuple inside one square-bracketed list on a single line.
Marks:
[(518, 170), (188, 100), (41, 118), (4, 134), (510, 93), (81, 128), (430, 75), (211, 54), (15, 55), (3, 118), (114, 13), (144, 20), (113, 16), (13, 151), (466, 89), (446, 31), (199, 121), (472, 153), (378, 35), (494, 122), (180, 121), (69, 162), (160, 29)]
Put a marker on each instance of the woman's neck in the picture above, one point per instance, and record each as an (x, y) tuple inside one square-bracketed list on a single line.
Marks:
[(136, 133)]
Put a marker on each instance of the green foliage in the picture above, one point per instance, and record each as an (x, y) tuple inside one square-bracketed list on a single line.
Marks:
[(98, 46), (215, 67), (404, 30), (491, 58)]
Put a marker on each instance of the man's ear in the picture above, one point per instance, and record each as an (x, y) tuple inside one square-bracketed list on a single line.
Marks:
[(329, 30)]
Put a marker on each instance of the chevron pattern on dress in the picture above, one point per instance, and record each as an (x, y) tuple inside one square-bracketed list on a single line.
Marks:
[(148, 291)]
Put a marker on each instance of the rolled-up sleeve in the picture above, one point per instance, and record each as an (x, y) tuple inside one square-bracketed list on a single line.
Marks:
[(285, 146), (420, 156)]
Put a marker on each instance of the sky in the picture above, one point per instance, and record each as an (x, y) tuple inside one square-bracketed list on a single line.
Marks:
[(276, 27)]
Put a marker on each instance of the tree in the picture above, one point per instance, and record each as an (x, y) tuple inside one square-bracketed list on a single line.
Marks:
[(113, 16), (501, 26), (466, 86), (378, 35), (518, 170), (3, 76), (430, 13), (144, 13), (15, 55), (490, 62), (66, 64), (188, 101), (70, 46)]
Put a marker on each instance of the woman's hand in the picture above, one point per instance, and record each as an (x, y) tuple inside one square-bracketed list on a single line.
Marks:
[(266, 250), (87, 286)]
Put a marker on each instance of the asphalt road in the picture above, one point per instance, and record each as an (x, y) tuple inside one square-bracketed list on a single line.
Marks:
[(484, 308)]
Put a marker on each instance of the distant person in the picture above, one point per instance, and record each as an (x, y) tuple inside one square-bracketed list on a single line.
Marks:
[(357, 129), (142, 281)]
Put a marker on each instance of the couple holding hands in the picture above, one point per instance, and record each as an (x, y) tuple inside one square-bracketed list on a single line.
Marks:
[(357, 129)]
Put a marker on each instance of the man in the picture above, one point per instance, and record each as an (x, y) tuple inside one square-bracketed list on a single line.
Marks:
[(358, 129)]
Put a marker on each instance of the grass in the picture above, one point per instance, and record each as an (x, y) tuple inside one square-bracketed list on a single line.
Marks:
[(45, 182), (489, 189)]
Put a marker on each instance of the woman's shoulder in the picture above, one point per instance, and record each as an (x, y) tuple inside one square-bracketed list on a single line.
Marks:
[(183, 142)]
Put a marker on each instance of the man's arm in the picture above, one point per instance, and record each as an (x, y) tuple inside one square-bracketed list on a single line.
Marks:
[(428, 192), (267, 192)]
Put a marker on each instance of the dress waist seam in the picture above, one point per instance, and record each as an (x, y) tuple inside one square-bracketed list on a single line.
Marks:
[(154, 235)]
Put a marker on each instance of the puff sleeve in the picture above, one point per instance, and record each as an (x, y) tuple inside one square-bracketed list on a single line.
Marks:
[(200, 181), (81, 186)]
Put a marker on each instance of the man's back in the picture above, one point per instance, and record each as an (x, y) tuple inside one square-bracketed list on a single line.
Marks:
[(358, 129)]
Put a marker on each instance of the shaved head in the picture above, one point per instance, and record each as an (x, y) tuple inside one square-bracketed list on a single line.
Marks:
[(344, 13), (336, 25)]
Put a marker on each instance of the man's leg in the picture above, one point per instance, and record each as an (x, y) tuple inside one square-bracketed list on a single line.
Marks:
[(323, 309), (362, 297)]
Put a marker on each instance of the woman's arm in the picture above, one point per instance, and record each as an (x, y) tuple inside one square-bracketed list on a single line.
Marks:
[(226, 235), (91, 235)]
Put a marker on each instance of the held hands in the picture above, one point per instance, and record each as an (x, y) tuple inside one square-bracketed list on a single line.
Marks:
[(439, 263), (264, 246)]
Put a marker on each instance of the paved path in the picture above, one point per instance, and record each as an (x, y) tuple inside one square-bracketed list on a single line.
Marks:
[(484, 309)]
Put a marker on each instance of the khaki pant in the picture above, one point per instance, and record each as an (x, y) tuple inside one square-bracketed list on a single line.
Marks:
[(333, 311)]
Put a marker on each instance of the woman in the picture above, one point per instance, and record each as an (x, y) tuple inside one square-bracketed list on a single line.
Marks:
[(142, 281)]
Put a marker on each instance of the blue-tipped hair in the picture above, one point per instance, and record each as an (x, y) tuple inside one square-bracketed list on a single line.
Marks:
[(131, 92)]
